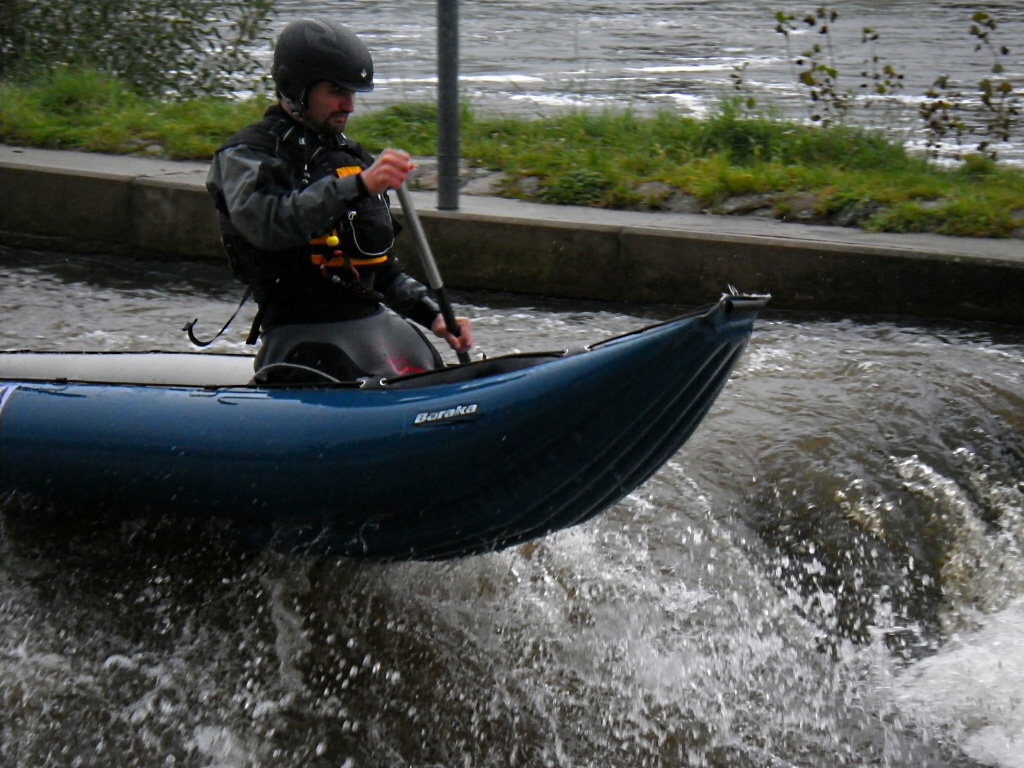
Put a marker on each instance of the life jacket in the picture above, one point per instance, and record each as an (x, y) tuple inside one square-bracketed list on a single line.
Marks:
[(336, 268)]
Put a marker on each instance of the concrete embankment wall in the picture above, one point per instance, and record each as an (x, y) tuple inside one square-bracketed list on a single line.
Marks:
[(153, 208)]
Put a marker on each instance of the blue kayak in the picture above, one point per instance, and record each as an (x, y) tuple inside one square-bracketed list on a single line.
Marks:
[(453, 462)]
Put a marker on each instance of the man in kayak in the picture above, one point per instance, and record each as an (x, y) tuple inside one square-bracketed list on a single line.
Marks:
[(306, 221)]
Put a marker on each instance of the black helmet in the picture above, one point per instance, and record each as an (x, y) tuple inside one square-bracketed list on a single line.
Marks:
[(311, 50)]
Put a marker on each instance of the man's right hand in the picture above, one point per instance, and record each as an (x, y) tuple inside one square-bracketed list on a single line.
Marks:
[(388, 172)]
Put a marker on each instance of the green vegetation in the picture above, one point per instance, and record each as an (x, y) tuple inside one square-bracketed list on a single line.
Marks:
[(611, 160), (172, 48), (92, 112), (71, 77), (984, 114)]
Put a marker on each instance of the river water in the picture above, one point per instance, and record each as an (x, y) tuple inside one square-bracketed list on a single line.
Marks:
[(532, 57), (830, 573)]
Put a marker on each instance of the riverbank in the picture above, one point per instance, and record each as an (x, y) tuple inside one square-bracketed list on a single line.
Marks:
[(151, 208)]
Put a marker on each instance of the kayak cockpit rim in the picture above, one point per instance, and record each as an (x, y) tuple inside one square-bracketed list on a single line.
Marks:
[(216, 371)]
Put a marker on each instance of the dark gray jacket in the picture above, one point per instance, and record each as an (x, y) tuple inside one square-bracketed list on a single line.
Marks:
[(278, 186)]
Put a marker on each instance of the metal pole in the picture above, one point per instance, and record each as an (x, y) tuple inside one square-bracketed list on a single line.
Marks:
[(448, 105)]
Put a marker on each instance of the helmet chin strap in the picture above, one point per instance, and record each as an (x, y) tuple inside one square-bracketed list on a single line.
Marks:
[(294, 109), (298, 111)]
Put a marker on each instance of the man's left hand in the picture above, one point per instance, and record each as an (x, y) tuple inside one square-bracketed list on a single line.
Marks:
[(460, 343)]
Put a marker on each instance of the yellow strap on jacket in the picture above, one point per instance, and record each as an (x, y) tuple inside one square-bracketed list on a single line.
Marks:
[(338, 259)]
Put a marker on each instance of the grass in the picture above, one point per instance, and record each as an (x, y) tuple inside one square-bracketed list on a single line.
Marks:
[(90, 112), (610, 160)]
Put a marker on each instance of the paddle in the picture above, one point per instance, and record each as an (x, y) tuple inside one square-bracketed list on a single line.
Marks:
[(430, 266)]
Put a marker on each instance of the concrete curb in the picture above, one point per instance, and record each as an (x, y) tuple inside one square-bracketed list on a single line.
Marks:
[(160, 209)]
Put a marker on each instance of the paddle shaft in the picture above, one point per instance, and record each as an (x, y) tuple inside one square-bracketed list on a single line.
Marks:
[(430, 265)]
